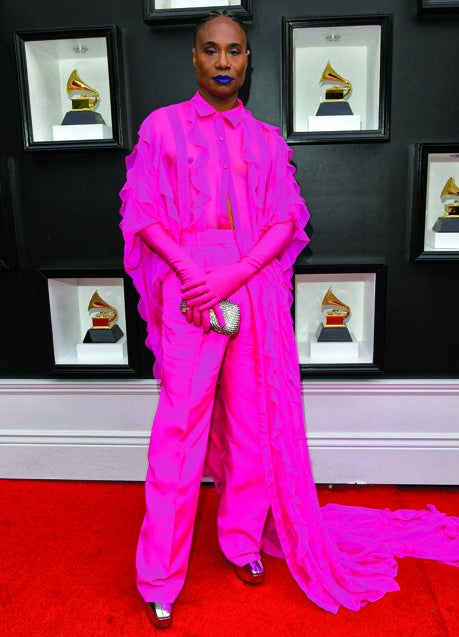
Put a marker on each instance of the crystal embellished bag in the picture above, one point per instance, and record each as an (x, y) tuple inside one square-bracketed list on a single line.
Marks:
[(231, 313)]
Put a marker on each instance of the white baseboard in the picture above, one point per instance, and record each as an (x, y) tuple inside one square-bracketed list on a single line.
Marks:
[(404, 432)]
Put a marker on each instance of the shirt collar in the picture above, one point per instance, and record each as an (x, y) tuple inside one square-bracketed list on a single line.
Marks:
[(204, 109)]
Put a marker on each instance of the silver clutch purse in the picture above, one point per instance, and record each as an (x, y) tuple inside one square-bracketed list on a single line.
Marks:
[(231, 313)]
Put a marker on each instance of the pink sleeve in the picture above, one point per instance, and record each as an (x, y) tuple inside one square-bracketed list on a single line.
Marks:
[(284, 204), (147, 198)]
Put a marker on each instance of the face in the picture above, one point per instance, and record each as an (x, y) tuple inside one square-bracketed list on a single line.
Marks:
[(220, 59)]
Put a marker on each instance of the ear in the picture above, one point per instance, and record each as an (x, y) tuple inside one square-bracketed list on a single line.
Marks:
[(195, 54), (247, 53)]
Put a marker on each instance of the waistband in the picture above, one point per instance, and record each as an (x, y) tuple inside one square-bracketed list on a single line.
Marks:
[(208, 237)]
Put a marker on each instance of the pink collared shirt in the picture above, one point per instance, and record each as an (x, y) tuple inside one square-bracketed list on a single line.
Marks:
[(227, 171)]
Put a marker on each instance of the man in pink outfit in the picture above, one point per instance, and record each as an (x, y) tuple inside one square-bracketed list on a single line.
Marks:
[(211, 212), (205, 245)]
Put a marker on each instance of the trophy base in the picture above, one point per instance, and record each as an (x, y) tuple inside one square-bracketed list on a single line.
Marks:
[(329, 108), (334, 123), (446, 224), (79, 117), (333, 335), (333, 353), (102, 353), (442, 240), (82, 131), (103, 335)]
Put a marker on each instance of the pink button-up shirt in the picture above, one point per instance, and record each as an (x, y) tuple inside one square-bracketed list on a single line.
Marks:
[(227, 172)]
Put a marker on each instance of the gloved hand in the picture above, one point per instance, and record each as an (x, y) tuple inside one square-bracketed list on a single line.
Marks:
[(219, 284), (189, 273), (201, 318), (198, 318), (222, 282), (160, 242)]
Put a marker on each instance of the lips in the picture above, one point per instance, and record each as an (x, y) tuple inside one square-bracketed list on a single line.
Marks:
[(222, 79)]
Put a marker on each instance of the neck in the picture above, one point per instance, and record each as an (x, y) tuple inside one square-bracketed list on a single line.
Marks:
[(219, 103)]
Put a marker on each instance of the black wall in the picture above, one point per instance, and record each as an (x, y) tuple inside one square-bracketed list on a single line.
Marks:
[(359, 195)]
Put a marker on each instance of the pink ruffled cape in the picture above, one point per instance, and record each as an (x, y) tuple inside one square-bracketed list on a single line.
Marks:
[(339, 555)]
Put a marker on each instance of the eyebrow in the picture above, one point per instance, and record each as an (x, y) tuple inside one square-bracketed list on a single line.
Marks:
[(216, 44)]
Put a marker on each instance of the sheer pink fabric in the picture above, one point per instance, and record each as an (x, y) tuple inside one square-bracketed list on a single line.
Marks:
[(338, 555)]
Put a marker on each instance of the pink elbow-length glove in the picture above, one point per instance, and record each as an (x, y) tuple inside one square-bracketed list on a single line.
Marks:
[(225, 280), (188, 272)]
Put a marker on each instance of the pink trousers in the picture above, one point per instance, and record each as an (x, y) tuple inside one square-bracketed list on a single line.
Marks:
[(196, 366)]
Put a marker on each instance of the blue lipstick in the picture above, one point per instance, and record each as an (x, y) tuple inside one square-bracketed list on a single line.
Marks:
[(223, 79)]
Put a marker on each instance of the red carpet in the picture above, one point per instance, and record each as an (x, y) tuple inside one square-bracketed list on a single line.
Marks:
[(67, 570)]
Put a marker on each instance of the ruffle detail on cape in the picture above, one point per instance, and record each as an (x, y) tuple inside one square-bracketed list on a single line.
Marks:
[(147, 198), (284, 194), (275, 194), (148, 186), (425, 533)]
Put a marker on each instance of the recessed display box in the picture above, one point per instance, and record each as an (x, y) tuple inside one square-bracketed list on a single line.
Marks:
[(435, 217), (339, 318), (336, 78), (91, 319), (70, 88), (438, 8), (175, 12)]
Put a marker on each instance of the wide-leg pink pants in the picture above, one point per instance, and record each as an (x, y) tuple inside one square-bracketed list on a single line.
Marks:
[(194, 363)]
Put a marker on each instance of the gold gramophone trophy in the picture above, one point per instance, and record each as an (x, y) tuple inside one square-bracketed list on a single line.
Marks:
[(337, 89), (334, 329), (104, 322), (449, 221), (84, 101)]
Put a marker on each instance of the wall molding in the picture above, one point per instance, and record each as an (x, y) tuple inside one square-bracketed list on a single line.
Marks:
[(374, 431)]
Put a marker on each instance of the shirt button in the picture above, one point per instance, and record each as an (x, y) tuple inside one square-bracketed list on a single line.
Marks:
[(221, 139), (225, 167)]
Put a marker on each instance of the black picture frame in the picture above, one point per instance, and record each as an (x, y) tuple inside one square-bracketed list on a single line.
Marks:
[(44, 60), (434, 164), (438, 8), (364, 285), (8, 251), (66, 293), (359, 39), (157, 16)]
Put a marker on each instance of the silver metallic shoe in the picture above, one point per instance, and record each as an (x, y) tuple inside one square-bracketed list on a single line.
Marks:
[(160, 614), (252, 573)]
